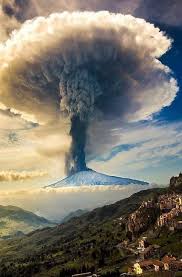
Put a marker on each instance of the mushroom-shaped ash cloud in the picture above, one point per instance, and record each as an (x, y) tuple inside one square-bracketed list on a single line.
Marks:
[(84, 67)]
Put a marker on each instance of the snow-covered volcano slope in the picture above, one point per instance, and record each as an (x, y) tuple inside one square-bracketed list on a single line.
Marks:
[(93, 178)]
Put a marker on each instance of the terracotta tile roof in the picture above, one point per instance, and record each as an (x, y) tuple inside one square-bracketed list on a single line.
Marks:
[(168, 260), (146, 263)]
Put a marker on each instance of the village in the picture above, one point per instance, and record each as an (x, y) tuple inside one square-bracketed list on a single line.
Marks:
[(147, 230), (170, 212)]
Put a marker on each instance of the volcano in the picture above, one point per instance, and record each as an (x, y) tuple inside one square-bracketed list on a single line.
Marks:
[(93, 178)]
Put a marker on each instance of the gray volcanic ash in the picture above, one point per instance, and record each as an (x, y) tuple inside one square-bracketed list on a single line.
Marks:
[(83, 67)]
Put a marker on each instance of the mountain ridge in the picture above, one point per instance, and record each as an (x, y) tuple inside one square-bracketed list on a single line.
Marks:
[(73, 214), (67, 248), (93, 178), (103, 241), (15, 220)]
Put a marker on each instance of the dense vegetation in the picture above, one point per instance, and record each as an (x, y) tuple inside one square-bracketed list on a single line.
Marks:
[(87, 243), (16, 221), (81, 244)]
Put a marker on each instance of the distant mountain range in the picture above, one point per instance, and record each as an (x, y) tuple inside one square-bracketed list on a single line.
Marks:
[(74, 214), (15, 221), (86, 243), (104, 240), (93, 178)]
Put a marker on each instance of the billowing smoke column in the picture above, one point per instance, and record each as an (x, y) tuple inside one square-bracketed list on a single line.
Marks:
[(75, 159), (83, 67), (78, 90)]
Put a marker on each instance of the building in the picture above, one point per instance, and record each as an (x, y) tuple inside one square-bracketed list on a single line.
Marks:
[(156, 268), (168, 202), (151, 265), (171, 263), (137, 269), (142, 244), (179, 203), (148, 252), (166, 219), (147, 265), (166, 266), (176, 182)]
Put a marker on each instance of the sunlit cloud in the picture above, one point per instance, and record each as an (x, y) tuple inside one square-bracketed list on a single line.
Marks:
[(20, 176), (141, 147), (56, 203)]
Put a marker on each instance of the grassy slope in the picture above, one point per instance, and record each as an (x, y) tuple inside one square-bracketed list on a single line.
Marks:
[(71, 215), (13, 219), (88, 241)]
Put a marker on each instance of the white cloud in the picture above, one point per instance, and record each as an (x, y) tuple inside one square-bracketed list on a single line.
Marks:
[(43, 148), (150, 148), (56, 203), (32, 75), (35, 61), (150, 145), (20, 176), (28, 148)]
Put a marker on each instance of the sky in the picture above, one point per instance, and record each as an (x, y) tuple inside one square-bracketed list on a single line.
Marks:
[(32, 155)]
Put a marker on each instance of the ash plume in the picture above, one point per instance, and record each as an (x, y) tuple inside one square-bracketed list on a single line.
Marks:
[(75, 159), (12, 14), (16, 8), (85, 67), (26, 9)]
